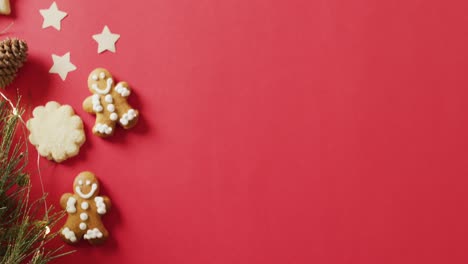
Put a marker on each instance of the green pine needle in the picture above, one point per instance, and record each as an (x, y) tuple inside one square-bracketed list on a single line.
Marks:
[(23, 222)]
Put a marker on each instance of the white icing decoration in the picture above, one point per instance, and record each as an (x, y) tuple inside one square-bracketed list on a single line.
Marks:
[(83, 226), (123, 121), (108, 98), (88, 195), (102, 75), (129, 116), (114, 116), (123, 91), (69, 234), (97, 107), (71, 205), (94, 77), (103, 91), (84, 205), (103, 128), (100, 205), (80, 182), (110, 108), (92, 234), (84, 216), (88, 182)]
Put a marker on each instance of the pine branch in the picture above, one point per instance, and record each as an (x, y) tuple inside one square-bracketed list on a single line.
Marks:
[(23, 226)]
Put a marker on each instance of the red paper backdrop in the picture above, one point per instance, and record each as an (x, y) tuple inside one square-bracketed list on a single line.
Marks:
[(272, 131)]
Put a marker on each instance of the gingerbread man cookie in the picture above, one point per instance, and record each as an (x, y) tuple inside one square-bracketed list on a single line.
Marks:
[(84, 209), (109, 103)]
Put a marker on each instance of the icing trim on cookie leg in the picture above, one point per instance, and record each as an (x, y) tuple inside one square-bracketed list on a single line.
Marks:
[(103, 91), (69, 234), (127, 117), (93, 234), (88, 195), (124, 121), (103, 129)]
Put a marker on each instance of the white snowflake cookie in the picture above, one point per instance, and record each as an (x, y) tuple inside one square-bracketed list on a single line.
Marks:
[(56, 131)]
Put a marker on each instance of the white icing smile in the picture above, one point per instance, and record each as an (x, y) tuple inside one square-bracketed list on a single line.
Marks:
[(88, 195), (103, 91)]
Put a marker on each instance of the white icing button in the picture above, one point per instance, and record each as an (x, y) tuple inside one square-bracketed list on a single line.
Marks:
[(83, 226), (110, 108), (84, 205), (114, 116), (95, 97), (84, 216), (94, 77), (108, 98), (102, 75)]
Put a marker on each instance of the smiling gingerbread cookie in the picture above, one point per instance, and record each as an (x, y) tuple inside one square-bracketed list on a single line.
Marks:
[(85, 208), (109, 103)]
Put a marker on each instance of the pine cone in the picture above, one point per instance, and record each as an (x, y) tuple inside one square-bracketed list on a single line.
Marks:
[(13, 53)]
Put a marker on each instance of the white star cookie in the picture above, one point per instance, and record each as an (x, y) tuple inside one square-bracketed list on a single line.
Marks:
[(52, 17), (56, 131), (62, 65), (106, 40)]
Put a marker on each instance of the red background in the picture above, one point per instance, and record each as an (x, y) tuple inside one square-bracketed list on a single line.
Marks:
[(296, 131)]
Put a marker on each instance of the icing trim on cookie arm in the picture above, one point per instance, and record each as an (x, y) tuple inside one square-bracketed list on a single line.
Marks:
[(64, 200), (71, 205), (88, 195), (103, 91), (123, 89), (100, 205)]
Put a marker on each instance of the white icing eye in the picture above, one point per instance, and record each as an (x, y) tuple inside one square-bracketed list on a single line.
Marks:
[(80, 182), (88, 182), (102, 75), (94, 77)]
